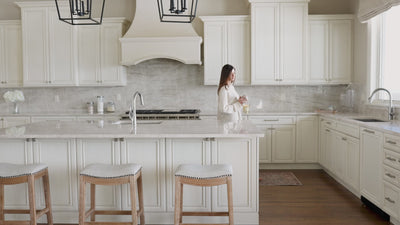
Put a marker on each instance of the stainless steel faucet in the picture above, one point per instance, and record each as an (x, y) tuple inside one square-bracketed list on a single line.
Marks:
[(391, 109), (132, 109)]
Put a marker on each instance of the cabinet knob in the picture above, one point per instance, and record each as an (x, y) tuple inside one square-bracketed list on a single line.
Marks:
[(391, 142)]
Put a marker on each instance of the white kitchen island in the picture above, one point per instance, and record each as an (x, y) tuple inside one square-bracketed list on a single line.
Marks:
[(67, 147)]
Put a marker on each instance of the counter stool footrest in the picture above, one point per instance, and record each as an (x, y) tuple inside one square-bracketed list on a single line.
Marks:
[(39, 212), (108, 223), (205, 214), (204, 224), (15, 222), (109, 212)]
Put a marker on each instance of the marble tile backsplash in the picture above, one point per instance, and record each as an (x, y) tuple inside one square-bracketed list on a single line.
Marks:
[(168, 84)]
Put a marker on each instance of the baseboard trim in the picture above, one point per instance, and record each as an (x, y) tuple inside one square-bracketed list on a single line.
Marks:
[(290, 166)]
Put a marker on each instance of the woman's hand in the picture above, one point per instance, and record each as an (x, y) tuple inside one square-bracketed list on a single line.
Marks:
[(242, 100)]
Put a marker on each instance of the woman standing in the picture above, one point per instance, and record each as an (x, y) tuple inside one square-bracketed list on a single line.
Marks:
[(229, 103)]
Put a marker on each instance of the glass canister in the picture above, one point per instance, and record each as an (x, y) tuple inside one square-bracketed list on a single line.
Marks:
[(90, 107), (110, 107), (100, 104)]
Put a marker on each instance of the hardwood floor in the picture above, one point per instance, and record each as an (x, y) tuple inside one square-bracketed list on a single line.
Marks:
[(319, 201)]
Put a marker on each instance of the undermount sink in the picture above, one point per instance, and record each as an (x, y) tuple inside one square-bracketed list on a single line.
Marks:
[(369, 120), (138, 122)]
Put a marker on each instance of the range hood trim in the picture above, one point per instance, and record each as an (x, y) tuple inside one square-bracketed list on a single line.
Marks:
[(139, 49)]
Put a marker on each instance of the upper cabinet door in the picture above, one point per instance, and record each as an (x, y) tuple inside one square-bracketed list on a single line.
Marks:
[(293, 28), (88, 55), (10, 54), (35, 46), (61, 51), (264, 43), (341, 51), (239, 49), (214, 51), (318, 51)]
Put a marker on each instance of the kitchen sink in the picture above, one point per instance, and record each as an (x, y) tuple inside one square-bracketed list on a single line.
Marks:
[(369, 120), (138, 122)]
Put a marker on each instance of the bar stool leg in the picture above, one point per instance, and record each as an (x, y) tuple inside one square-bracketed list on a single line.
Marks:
[(1, 203), (230, 199), (82, 190), (32, 203), (181, 204), (46, 187), (178, 209), (92, 201), (132, 184), (140, 193)]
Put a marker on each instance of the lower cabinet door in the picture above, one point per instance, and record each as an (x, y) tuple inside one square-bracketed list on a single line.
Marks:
[(265, 144), (104, 151), (391, 199), (150, 154), (283, 143), (18, 151), (184, 151), (242, 155), (60, 157)]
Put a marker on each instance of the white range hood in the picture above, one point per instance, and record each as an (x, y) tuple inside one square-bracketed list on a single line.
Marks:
[(148, 38)]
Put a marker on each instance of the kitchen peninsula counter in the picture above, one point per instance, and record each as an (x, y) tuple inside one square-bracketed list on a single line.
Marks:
[(68, 147)]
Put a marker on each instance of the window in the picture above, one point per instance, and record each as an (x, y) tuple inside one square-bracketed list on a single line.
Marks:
[(385, 53)]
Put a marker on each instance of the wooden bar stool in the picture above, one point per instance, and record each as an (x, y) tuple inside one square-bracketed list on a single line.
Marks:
[(101, 174), (11, 174), (198, 175)]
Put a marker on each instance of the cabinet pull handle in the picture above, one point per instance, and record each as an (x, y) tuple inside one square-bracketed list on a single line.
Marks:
[(206, 139), (329, 123), (121, 139), (391, 142), (344, 139), (390, 200), (327, 130), (272, 120), (33, 139), (391, 159), (369, 131), (390, 175), (212, 139), (28, 140)]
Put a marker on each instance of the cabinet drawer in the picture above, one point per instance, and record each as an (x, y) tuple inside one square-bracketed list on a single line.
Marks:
[(391, 199), (328, 123), (391, 158), (273, 119), (351, 130), (392, 142), (391, 175)]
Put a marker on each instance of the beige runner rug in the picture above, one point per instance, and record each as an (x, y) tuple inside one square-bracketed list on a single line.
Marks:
[(278, 178)]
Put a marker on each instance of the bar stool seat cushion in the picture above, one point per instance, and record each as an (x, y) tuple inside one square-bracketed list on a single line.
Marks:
[(203, 172), (111, 171), (9, 170)]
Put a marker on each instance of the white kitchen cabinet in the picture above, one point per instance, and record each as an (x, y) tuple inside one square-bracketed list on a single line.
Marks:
[(241, 153), (99, 52), (307, 139), (60, 157), (12, 121), (48, 46), (278, 33), (10, 53), (278, 143), (106, 151), (18, 151), (182, 151), (150, 153), (226, 41), (371, 145), (330, 49), (352, 177)]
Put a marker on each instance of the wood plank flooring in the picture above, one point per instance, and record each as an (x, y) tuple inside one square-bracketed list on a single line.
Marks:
[(319, 201)]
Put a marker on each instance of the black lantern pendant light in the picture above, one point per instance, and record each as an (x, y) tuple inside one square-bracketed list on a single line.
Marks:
[(82, 12), (177, 11)]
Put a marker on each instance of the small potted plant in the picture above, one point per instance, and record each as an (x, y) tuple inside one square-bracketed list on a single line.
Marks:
[(14, 97)]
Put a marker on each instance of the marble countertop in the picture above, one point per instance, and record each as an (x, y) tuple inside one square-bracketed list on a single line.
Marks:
[(107, 129), (389, 127)]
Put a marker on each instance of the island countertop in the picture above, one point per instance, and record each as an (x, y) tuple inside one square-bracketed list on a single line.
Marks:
[(144, 129)]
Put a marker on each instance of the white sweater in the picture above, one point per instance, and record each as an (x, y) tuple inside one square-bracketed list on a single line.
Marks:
[(229, 108)]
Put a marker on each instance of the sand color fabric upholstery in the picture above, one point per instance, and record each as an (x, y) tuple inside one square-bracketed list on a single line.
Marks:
[(203, 171), (8, 170), (111, 171)]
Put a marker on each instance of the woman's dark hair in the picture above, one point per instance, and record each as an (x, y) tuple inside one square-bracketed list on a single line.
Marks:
[(225, 72)]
